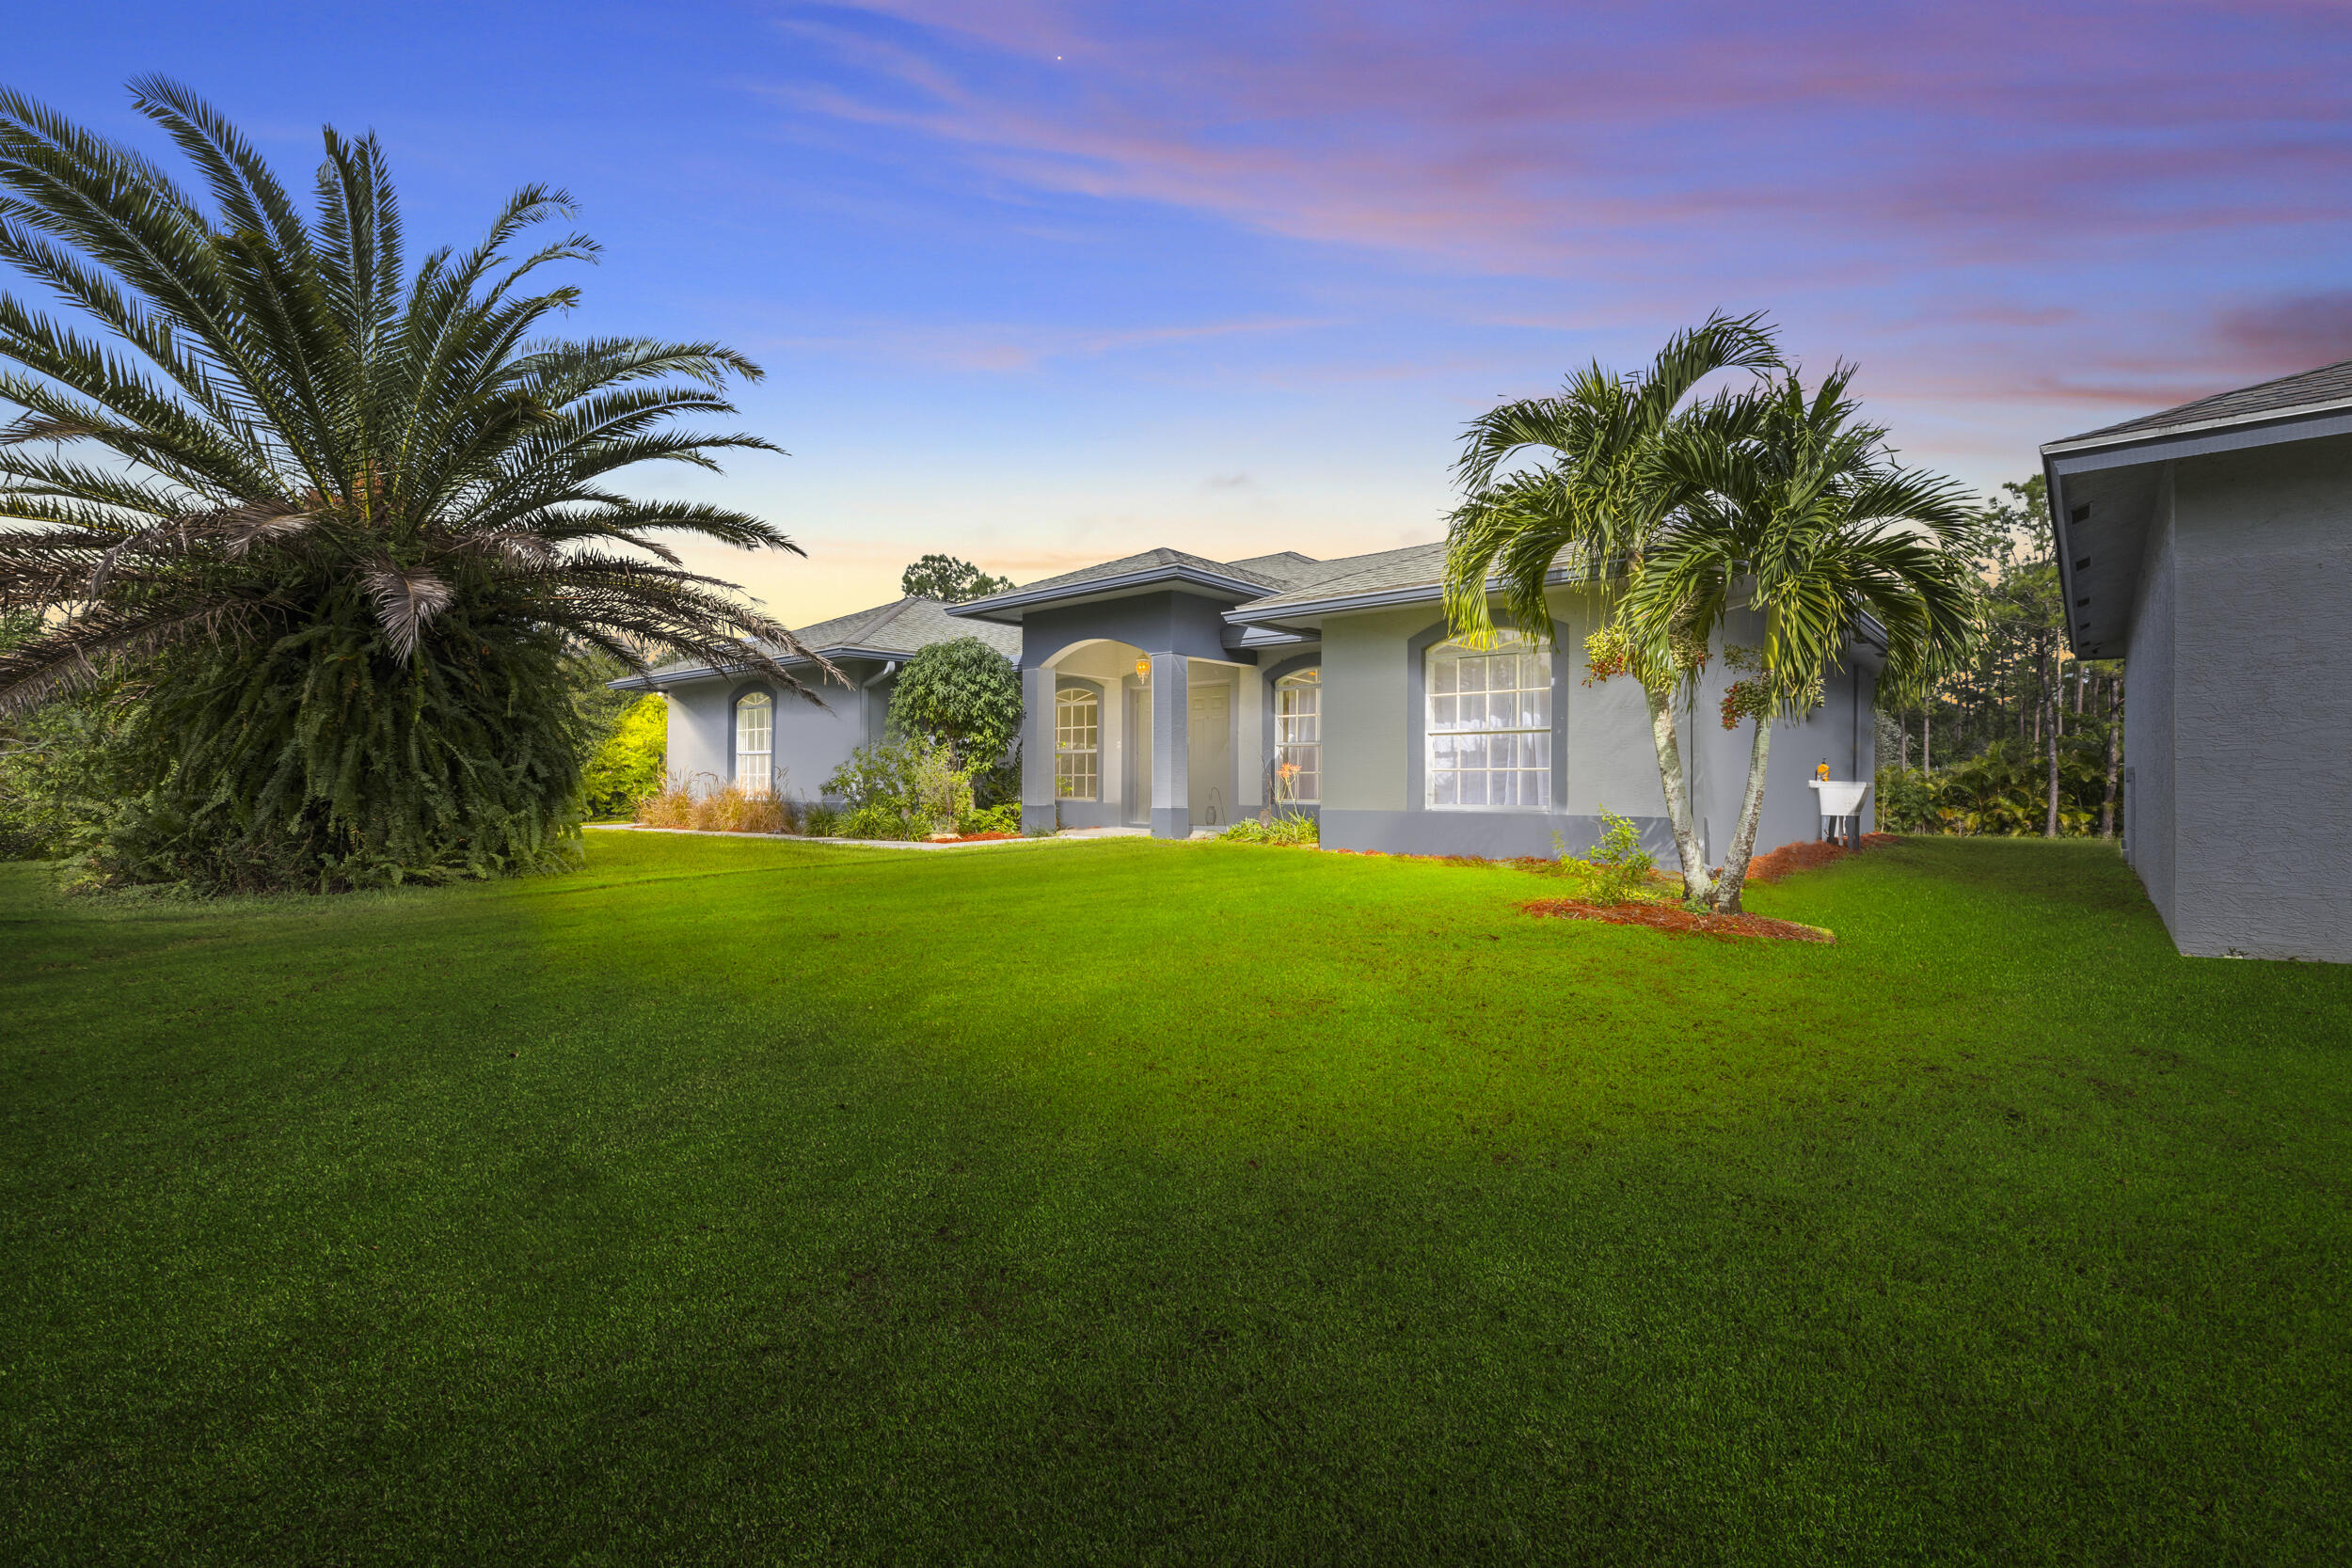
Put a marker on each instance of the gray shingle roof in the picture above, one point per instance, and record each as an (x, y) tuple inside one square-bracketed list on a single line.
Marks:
[(1414, 566), (2326, 384), (899, 630), (1256, 572), (905, 627)]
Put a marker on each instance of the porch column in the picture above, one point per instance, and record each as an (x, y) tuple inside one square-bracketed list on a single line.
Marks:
[(1037, 750), (1171, 749)]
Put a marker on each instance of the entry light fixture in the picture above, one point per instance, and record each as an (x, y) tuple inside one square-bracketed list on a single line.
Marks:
[(1143, 669)]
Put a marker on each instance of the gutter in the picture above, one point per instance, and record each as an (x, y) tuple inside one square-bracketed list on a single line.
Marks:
[(655, 680)]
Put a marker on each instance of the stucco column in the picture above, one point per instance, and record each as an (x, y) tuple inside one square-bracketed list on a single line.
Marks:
[(1171, 749), (1037, 750)]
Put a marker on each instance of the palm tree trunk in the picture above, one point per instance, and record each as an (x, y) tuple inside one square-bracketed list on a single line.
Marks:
[(2115, 730), (1927, 736), (1695, 882), (1742, 849)]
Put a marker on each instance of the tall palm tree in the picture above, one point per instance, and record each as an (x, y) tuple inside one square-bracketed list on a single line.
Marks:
[(344, 514), (1804, 523), (1591, 510)]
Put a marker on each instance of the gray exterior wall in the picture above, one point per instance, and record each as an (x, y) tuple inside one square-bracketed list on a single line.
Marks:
[(810, 741), (2239, 722), (2150, 829), (1372, 749)]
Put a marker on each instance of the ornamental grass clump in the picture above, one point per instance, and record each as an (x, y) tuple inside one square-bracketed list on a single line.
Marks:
[(716, 808)]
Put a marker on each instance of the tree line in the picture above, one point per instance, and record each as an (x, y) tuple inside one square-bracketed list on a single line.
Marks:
[(2020, 737)]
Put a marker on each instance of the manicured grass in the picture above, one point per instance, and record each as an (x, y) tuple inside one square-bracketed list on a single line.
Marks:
[(747, 1202)]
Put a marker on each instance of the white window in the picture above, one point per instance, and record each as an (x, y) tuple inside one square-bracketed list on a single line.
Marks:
[(1489, 727), (1298, 738), (755, 741), (1077, 744)]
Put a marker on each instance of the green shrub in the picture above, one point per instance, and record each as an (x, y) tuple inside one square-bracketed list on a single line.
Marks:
[(912, 782), (819, 820), (962, 692), (633, 761), (879, 821), (1283, 829), (2001, 793), (990, 819), (1615, 869)]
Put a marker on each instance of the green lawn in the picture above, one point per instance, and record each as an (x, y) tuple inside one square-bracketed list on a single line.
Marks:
[(742, 1201)]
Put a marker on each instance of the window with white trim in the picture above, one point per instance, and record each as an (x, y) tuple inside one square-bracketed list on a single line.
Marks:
[(1077, 744), (1489, 727), (755, 741), (1298, 738)]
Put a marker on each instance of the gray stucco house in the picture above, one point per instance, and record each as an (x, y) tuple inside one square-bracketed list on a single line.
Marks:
[(1174, 692), (732, 725), (2210, 546), (1168, 691)]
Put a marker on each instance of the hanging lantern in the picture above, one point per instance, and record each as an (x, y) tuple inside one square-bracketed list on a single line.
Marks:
[(1143, 669)]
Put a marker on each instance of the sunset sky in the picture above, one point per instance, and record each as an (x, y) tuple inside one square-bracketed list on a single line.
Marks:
[(1039, 284)]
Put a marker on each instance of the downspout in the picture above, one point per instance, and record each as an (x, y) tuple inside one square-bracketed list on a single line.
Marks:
[(864, 686)]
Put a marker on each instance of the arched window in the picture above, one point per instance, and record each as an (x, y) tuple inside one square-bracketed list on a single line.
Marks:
[(1077, 744), (1489, 730), (1298, 738), (755, 741)]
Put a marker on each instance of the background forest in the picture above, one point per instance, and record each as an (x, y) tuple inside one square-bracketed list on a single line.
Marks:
[(2027, 741)]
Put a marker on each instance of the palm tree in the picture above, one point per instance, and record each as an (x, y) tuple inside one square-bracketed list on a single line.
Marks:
[(1591, 509), (1805, 523), (344, 518)]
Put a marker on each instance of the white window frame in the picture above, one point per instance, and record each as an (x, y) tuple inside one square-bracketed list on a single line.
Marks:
[(1077, 744), (1298, 738), (761, 705), (1458, 724)]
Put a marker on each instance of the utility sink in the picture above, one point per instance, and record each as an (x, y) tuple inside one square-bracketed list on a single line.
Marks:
[(1840, 797)]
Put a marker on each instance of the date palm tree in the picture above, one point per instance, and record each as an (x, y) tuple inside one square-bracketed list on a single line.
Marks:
[(1792, 531), (343, 515), (1591, 509)]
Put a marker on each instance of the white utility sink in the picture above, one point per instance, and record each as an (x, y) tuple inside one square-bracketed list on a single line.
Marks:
[(1840, 797)]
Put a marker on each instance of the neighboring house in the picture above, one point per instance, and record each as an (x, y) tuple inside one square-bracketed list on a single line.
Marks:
[(734, 725), (2210, 546), (1176, 692)]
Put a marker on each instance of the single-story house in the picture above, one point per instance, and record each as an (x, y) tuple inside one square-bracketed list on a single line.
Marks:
[(734, 725), (1168, 691), (1174, 692), (2210, 545)]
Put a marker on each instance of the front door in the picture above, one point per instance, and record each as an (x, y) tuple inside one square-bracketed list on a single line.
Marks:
[(1210, 735), (1139, 756)]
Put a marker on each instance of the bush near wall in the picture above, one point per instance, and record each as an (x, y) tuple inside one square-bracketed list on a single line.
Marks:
[(632, 763), (2003, 792)]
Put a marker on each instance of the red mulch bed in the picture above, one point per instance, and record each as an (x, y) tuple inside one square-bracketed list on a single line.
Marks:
[(975, 838), (1674, 917), (1805, 854)]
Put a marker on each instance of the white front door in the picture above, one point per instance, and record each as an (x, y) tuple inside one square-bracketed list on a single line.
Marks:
[(1210, 735)]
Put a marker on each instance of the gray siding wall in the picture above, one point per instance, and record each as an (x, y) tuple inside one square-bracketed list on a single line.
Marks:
[(2261, 699), (1368, 727), (810, 741), (2148, 740)]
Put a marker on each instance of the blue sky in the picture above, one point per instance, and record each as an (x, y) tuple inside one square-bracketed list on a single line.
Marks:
[(1040, 284)]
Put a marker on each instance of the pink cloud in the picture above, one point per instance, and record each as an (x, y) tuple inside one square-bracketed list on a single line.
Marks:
[(1529, 136)]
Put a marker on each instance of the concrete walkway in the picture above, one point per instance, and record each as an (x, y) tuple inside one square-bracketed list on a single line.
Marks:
[(877, 843)]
